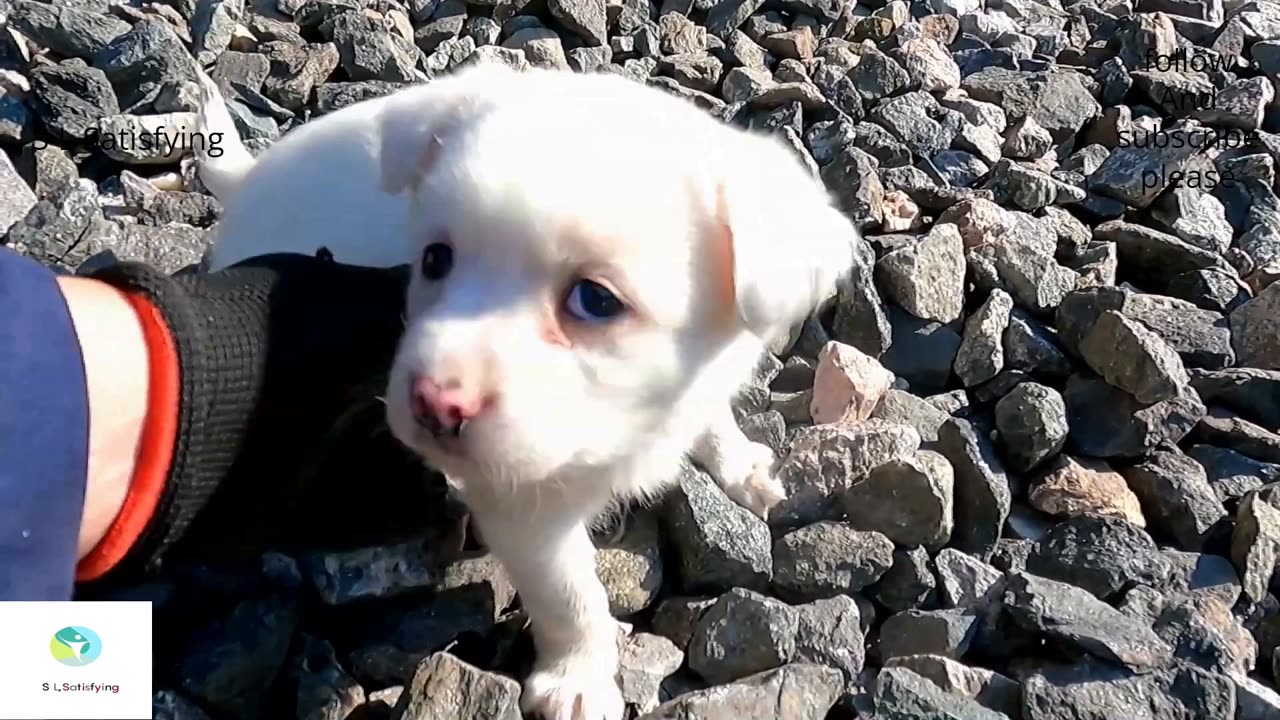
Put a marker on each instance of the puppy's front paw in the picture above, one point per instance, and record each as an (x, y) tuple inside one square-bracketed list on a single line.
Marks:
[(759, 491), (574, 690)]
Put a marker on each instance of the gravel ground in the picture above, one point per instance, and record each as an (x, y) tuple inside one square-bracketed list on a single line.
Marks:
[(1031, 448)]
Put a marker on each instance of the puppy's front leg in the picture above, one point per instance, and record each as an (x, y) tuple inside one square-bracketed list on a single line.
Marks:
[(744, 469), (550, 559)]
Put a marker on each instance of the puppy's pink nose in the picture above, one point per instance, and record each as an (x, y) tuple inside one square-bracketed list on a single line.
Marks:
[(443, 410)]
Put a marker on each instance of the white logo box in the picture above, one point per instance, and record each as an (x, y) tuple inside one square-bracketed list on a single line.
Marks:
[(114, 685)]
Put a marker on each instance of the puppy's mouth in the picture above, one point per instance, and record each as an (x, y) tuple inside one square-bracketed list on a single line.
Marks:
[(438, 429)]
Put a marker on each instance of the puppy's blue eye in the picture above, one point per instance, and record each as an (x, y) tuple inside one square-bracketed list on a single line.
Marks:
[(590, 301)]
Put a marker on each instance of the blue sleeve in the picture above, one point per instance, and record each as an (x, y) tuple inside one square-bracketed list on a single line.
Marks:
[(44, 434)]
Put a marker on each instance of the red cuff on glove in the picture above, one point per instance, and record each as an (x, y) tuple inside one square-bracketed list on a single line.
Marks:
[(155, 451)]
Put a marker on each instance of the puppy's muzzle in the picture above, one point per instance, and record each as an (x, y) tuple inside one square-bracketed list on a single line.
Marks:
[(443, 410)]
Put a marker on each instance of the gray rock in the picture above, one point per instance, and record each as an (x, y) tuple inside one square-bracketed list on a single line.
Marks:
[(213, 26), (1211, 289), (728, 15), (231, 663), (1255, 543), (901, 694), (631, 567), (743, 633), (1029, 189), (1153, 257), (1184, 693), (368, 51), (829, 632), (1194, 216), (967, 582), (1034, 279), (332, 96), (1103, 555), (1032, 420), (1011, 554), (1202, 338), (1073, 616), (927, 279), (586, 59), (1108, 422), (982, 494), (1031, 347), (1026, 140), (1058, 101), (928, 632), (799, 691), (958, 168), (1223, 428), (373, 572), (541, 46), (912, 119), (853, 180), (169, 705), (1133, 358), (644, 661), (903, 408), (64, 29), (909, 583), (1232, 474), (1176, 497), (445, 687), (16, 124), (675, 618), (70, 98), (909, 500), (1252, 393), (1255, 701), (1137, 175), (693, 70), (297, 71), (142, 61), (1255, 330), (981, 353), (877, 76), (1197, 575), (922, 352), (1203, 631), (325, 690), (584, 18), (826, 559), (989, 689), (825, 460), (57, 229), (861, 319), (16, 198), (720, 544), (447, 23)]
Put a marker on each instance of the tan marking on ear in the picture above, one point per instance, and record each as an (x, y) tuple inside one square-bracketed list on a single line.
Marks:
[(722, 259)]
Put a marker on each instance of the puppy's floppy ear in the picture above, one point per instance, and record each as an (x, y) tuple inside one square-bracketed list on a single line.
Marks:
[(416, 124), (789, 245)]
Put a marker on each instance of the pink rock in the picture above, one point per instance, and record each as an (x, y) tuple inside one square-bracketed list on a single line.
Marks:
[(847, 384)]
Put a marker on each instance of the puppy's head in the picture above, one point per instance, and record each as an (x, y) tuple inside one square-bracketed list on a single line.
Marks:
[(597, 263)]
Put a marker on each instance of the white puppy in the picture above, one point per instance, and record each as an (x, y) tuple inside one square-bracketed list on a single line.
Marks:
[(599, 266)]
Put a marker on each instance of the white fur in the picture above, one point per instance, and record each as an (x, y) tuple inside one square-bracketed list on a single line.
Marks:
[(717, 240)]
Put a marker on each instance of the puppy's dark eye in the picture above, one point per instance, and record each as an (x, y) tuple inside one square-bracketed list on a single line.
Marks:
[(437, 261), (589, 301)]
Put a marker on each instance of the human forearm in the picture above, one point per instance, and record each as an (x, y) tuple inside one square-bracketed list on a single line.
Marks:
[(116, 378)]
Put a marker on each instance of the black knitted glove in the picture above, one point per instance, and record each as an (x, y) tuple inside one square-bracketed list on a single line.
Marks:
[(282, 441)]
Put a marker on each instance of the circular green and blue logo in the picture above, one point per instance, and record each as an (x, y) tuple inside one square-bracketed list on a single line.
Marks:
[(75, 645)]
